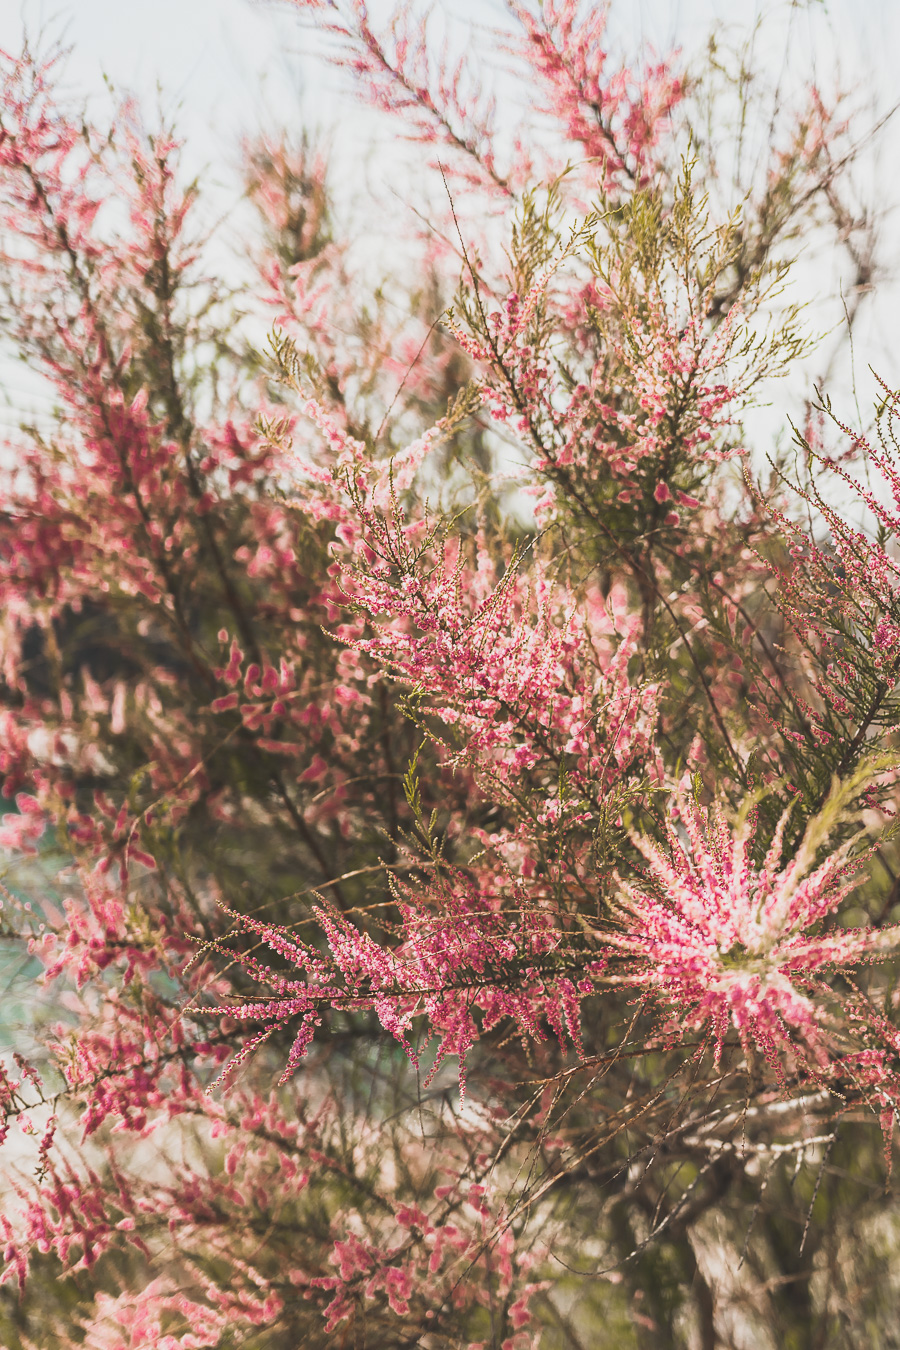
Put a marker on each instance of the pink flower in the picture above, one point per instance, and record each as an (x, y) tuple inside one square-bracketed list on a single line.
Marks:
[(729, 944)]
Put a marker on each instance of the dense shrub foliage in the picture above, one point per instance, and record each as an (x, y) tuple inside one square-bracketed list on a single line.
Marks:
[(449, 779)]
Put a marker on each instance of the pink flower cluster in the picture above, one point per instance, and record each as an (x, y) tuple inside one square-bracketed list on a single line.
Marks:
[(732, 946)]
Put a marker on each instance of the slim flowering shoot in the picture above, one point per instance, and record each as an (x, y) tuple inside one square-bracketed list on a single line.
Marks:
[(839, 595), (616, 117), (471, 950), (402, 71)]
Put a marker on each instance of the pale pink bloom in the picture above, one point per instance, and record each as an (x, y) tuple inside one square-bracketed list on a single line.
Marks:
[(727, 944)]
